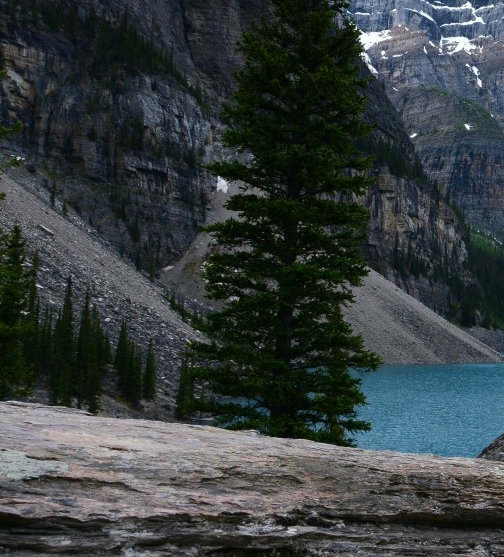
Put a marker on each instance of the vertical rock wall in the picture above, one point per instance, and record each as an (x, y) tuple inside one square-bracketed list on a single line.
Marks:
[(123, 146), (123, 142)]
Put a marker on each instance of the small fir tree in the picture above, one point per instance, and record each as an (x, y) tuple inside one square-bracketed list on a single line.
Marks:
[(14, 294), (121, 357), (133, 384), (185, 401), (279, 351), (87, 359), (128, 363), (32, 319), (17, 282), (64, 378), (46, 343), (149, 379), (102, 340)]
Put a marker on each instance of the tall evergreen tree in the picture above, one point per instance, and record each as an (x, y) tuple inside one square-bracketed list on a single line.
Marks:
[(33, 327), (184, 403), (46, 349), (128, 363), (15, 282), (121, 357), (135, 388), (102, 341), (88, 356), (15, 287), (279, 352)]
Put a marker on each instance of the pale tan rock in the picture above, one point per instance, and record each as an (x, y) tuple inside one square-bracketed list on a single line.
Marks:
[(72, 483)]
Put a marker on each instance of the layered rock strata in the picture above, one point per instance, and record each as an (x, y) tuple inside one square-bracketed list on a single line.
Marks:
[(76, 484), (122, 137)]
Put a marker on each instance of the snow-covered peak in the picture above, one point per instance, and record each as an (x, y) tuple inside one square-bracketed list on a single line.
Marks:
[(449, 19)]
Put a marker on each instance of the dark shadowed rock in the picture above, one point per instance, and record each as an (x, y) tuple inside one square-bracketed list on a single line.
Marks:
[(71, 483), (494, 451)]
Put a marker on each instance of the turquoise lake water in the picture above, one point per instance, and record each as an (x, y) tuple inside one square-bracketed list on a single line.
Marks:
[(447, 410)]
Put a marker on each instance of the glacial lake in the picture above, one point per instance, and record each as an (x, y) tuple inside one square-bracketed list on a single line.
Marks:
[(447, 410)]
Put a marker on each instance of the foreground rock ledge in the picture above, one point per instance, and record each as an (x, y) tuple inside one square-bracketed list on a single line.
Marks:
[(72, 483)]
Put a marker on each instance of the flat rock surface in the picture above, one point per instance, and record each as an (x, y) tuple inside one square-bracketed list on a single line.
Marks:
[(72, 483)]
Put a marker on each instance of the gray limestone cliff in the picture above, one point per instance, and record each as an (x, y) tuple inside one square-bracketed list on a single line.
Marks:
[(118, 102), (71, 483), (411, 227), (120, 105), (441, 63)]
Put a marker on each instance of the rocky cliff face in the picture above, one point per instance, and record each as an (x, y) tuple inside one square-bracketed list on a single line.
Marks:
[(73, 484), (441, 63), (119, 101), (411, 226)]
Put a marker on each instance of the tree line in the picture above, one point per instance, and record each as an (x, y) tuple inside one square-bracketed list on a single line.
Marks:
[(486, 262), (67, 353), (70, 355)]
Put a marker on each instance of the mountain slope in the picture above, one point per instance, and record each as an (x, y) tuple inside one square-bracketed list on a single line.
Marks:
[(393, 323), (68, 248), (93, 135), (120, 104)]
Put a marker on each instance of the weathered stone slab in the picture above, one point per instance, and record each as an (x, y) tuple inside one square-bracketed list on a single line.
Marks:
[(72, 483)]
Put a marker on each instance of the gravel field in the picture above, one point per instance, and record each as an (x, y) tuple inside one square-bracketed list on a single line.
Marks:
[(69, 248), (404, 331)]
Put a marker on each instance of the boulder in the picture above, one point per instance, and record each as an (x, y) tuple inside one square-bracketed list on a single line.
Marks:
[(495, 450), (72, 483)]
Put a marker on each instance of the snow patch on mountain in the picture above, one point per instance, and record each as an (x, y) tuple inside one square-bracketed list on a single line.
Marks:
[(456, 23), (374, 37), (458, 44), (466, 6), (420, 12), (476, 72), (369, 64), (222, 185)]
